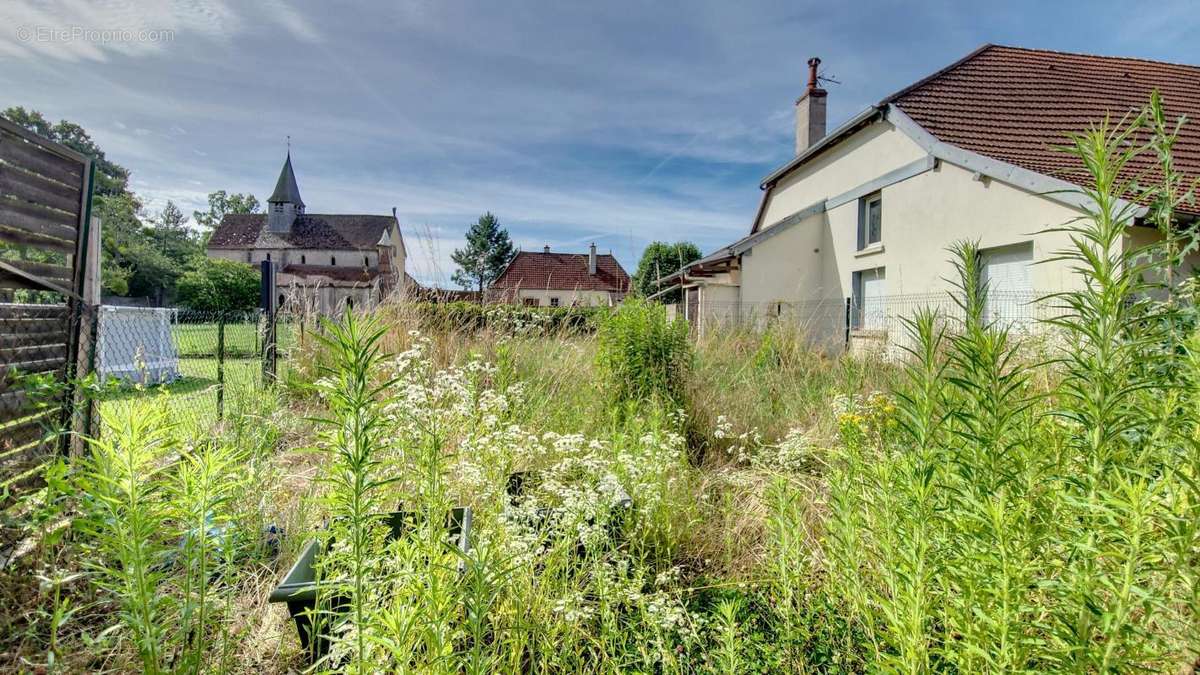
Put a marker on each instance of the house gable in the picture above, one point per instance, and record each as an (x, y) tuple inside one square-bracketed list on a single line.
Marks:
[(865, 154)]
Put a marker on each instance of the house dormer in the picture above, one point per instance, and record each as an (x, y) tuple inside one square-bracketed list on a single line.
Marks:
[(284, 205)]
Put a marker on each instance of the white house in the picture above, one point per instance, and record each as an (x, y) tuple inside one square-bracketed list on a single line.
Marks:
[(852, 232), (552, 279)]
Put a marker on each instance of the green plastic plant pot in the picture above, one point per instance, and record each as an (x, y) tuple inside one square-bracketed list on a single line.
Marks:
[(300, 588)]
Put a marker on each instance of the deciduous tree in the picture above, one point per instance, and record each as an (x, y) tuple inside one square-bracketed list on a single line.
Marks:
[(659, 260)]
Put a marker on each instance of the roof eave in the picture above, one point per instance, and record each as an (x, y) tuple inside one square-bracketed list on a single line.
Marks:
[(816, 148)]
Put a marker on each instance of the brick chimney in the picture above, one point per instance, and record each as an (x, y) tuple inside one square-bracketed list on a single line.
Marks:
[(810, 111), (592, 259)]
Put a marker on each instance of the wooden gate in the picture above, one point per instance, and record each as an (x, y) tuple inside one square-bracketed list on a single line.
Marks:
[(45, 204)]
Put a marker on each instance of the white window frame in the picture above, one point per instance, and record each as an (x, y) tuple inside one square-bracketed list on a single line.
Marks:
[(554, 302), (864, 217)]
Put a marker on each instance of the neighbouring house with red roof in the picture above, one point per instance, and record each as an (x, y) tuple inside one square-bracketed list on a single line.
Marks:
[(852, 232), (324, 260), (551, 279)]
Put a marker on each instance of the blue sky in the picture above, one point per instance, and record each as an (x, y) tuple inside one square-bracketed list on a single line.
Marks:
[(614, 122)]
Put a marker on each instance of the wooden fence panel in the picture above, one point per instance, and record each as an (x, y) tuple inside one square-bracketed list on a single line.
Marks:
[(45, 199)]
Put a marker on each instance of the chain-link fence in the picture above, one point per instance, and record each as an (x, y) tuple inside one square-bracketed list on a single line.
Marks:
[(205, 365), (210, 365)]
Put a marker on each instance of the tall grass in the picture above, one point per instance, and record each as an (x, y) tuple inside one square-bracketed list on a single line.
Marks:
[(968, 509)]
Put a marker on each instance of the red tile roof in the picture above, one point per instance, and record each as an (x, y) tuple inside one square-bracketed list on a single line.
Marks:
[(562, 271), (1016, 104)]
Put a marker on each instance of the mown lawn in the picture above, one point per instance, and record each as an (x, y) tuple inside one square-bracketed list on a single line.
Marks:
[(192, 399), (241, 339)]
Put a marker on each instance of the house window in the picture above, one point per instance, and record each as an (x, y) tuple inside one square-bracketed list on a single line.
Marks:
[(870, 220), (268, 256), (278, 208), (554, 302), (530, 302), (332, 261), (870, 310), (302, 260), (366, 263)]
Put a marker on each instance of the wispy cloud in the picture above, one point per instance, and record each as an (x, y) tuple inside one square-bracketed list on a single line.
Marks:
[(620, 121)]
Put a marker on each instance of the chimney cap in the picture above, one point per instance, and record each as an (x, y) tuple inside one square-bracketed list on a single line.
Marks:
[(546, 248), (813, 81)]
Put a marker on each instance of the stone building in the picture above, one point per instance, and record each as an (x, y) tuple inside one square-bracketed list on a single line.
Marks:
[(323, 260)]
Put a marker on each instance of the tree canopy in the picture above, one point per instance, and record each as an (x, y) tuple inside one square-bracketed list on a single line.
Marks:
[(488, 250), (216, 285), (221, 203), (660, 259), (141, 253)]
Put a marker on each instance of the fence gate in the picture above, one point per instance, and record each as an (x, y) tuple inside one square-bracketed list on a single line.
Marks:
[(45, 203)]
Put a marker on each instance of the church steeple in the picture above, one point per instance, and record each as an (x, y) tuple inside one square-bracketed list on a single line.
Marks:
[(284, 204)]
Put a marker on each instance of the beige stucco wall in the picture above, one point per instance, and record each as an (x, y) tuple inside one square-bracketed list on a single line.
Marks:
[(718, 307), (1140, 237), (788, 266), (867, 154), (922, 216), (567, 298)]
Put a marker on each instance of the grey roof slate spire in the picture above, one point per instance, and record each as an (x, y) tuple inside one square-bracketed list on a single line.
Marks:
[(286, 190)]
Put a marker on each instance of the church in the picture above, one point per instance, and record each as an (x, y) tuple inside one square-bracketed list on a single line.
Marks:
[(323, 261)]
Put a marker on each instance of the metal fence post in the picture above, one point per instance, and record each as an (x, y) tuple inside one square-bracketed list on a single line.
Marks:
[(269, 309), (847, 323), (221, 365)]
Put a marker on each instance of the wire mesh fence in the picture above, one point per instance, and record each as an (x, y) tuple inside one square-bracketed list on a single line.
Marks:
[(872, 323)]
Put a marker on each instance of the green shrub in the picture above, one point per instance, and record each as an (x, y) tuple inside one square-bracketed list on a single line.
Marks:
[(643, 357), (219, 285), (470, 317)]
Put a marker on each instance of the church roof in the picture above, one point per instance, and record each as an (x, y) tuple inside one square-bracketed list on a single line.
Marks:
[(286, 189), (311, 230)]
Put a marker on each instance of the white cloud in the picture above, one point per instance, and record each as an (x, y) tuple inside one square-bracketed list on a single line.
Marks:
[(96, 30), (295, 23)]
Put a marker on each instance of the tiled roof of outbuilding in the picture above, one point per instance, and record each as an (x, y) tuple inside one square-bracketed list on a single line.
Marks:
[(563, 271)]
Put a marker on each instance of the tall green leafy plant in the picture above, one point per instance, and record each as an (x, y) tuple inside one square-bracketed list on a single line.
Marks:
[(1116, 482), (999, 528), (353, 434), (205, 482), (126, 520), (642, 357)]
